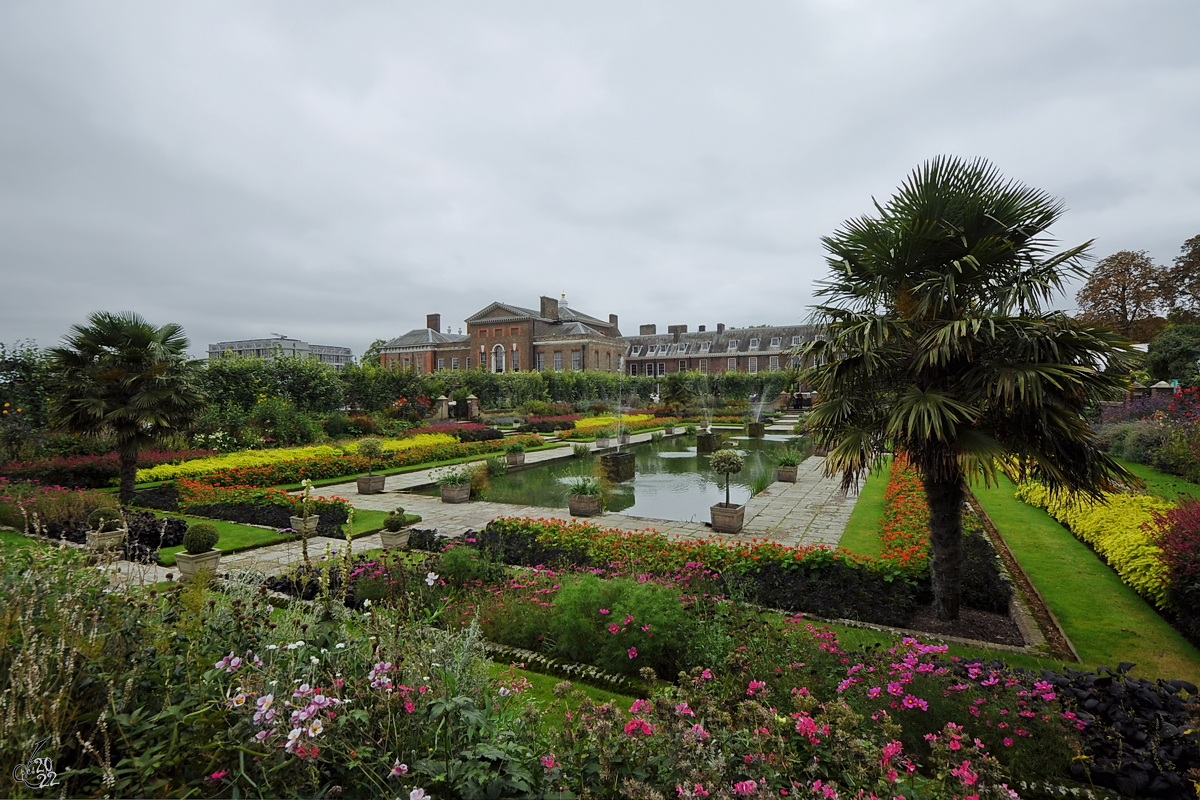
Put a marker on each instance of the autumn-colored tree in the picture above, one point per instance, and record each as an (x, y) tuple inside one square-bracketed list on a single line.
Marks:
[(1185, 277), (1124, 292)]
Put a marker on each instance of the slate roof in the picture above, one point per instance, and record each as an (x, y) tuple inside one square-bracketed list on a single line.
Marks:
[(571, 329), (426, 336)]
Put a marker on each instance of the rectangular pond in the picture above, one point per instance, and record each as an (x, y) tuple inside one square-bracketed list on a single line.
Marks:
[(671, 481)]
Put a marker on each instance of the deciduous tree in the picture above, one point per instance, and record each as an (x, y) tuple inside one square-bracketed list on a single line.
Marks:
[(1185, 276), (1124, 292)]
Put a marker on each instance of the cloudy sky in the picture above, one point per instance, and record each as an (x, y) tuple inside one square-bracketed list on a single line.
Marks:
[(335, 171)]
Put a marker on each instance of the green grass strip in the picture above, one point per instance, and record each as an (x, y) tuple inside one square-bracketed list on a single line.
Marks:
[(14, 539), (1163, 484), (1106, 620), (865, 524)]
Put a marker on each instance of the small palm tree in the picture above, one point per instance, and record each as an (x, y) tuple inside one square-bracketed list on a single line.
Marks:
[(935, 343), (121, 377)]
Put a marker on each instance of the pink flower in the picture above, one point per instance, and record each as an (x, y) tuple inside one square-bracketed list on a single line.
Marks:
[(398, 769), (632, 652), (636, 726), (604, 611), (755, 686), (745, 787), (548, 762), (614, 628), (216, 776)]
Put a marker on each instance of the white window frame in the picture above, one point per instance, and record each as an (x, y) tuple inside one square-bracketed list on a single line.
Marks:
[(635, 351), (704, 365), (576, 360), (774, 364), (752, 365), (558, 361), (754, 344), (795, 340), (454, 363), (681, 348), (733, 346), (776, 341), (441, 363), (541, 362), (731, 365), (705, 347), (662, 368), (682, 365), (633, 369)]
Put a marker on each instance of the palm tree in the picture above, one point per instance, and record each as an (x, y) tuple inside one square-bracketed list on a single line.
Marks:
[(936, 343), (121, 377)]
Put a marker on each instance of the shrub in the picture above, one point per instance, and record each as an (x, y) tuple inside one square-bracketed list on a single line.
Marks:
[(581, 450), (1177, 534), (515, 447), (462, 565), (540, 408), (148, 533), (496, 465), (200, 538), (104, 519), (395, 521), (480, 435), (546, 425), (586, 487)]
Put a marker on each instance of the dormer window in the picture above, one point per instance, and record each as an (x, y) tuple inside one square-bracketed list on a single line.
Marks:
[(705, 347), (681, 348), (776, 341), (651, 349), (795, 340), (733, 344), (754, 344), (635, 350)]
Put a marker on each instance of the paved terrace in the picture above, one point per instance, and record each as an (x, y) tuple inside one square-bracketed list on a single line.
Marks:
[(811, 511)]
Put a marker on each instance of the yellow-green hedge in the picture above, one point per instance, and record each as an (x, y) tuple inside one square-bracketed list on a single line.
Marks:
[(1114, 529), (254, 458), (599, 422)]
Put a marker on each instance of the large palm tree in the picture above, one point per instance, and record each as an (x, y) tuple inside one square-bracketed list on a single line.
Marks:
[(121, 377), (936, 343)]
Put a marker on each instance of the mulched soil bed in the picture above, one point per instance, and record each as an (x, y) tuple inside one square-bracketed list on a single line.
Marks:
[(983, 626)]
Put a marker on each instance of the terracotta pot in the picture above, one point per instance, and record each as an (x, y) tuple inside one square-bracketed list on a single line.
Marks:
[(456, 494), (305, 524), (786, 474), (393, 540), (190, 564), (371, 484), (727, 518), (583, 505), (514, 459)]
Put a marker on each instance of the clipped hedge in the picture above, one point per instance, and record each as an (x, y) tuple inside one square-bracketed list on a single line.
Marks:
[(1117, 528)]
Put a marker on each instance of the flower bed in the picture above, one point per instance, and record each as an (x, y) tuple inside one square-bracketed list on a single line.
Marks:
[(640, 422), (340, 465), (1118, 528), (251, 458), (905, 535), (57, 510), (91, 472), (256, 505)]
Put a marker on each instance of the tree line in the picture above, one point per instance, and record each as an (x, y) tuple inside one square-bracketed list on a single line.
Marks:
[(1137, 298)]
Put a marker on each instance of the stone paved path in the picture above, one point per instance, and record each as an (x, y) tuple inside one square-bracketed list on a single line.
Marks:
[(811, 511)]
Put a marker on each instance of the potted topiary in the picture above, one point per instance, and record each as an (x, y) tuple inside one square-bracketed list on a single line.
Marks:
[(514, 453), (584, 497), (623, 434), (395, 533), (726, 517), (603, 438), (455, 484), (786, 464), (105, 529), (198, 552), (371, 449)]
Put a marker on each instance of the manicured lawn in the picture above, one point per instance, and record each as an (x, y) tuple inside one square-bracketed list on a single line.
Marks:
[(1106, 620), (1170, 487), (863, 527), (14, 539)]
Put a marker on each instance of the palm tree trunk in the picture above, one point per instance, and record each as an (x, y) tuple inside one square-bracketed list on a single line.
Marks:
[(945, 500), (127, 470)]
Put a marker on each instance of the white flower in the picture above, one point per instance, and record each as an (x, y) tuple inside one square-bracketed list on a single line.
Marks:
[(272, 647), (367, 603), (418, 794), (340, 646), (315, 728), (314, 659), (430, 579)]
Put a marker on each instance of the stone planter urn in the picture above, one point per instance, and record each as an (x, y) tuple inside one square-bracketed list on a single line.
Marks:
[(623, 438), (756, 429), (583, 505), (393, 540), (306, 525), (669, 430), (602, 442), (786, 474), (727, 518), (514, 459), (371, 484), (456, 494), (101, 541), (189, 564)]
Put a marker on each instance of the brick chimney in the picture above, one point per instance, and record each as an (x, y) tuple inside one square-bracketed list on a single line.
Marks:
[(647, 330), (433, 322), (549, 308), (675, 330), (720, 327), (701, 328), (612, 320)]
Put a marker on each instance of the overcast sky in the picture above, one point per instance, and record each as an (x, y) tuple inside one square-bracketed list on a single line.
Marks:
[(335, 171)]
